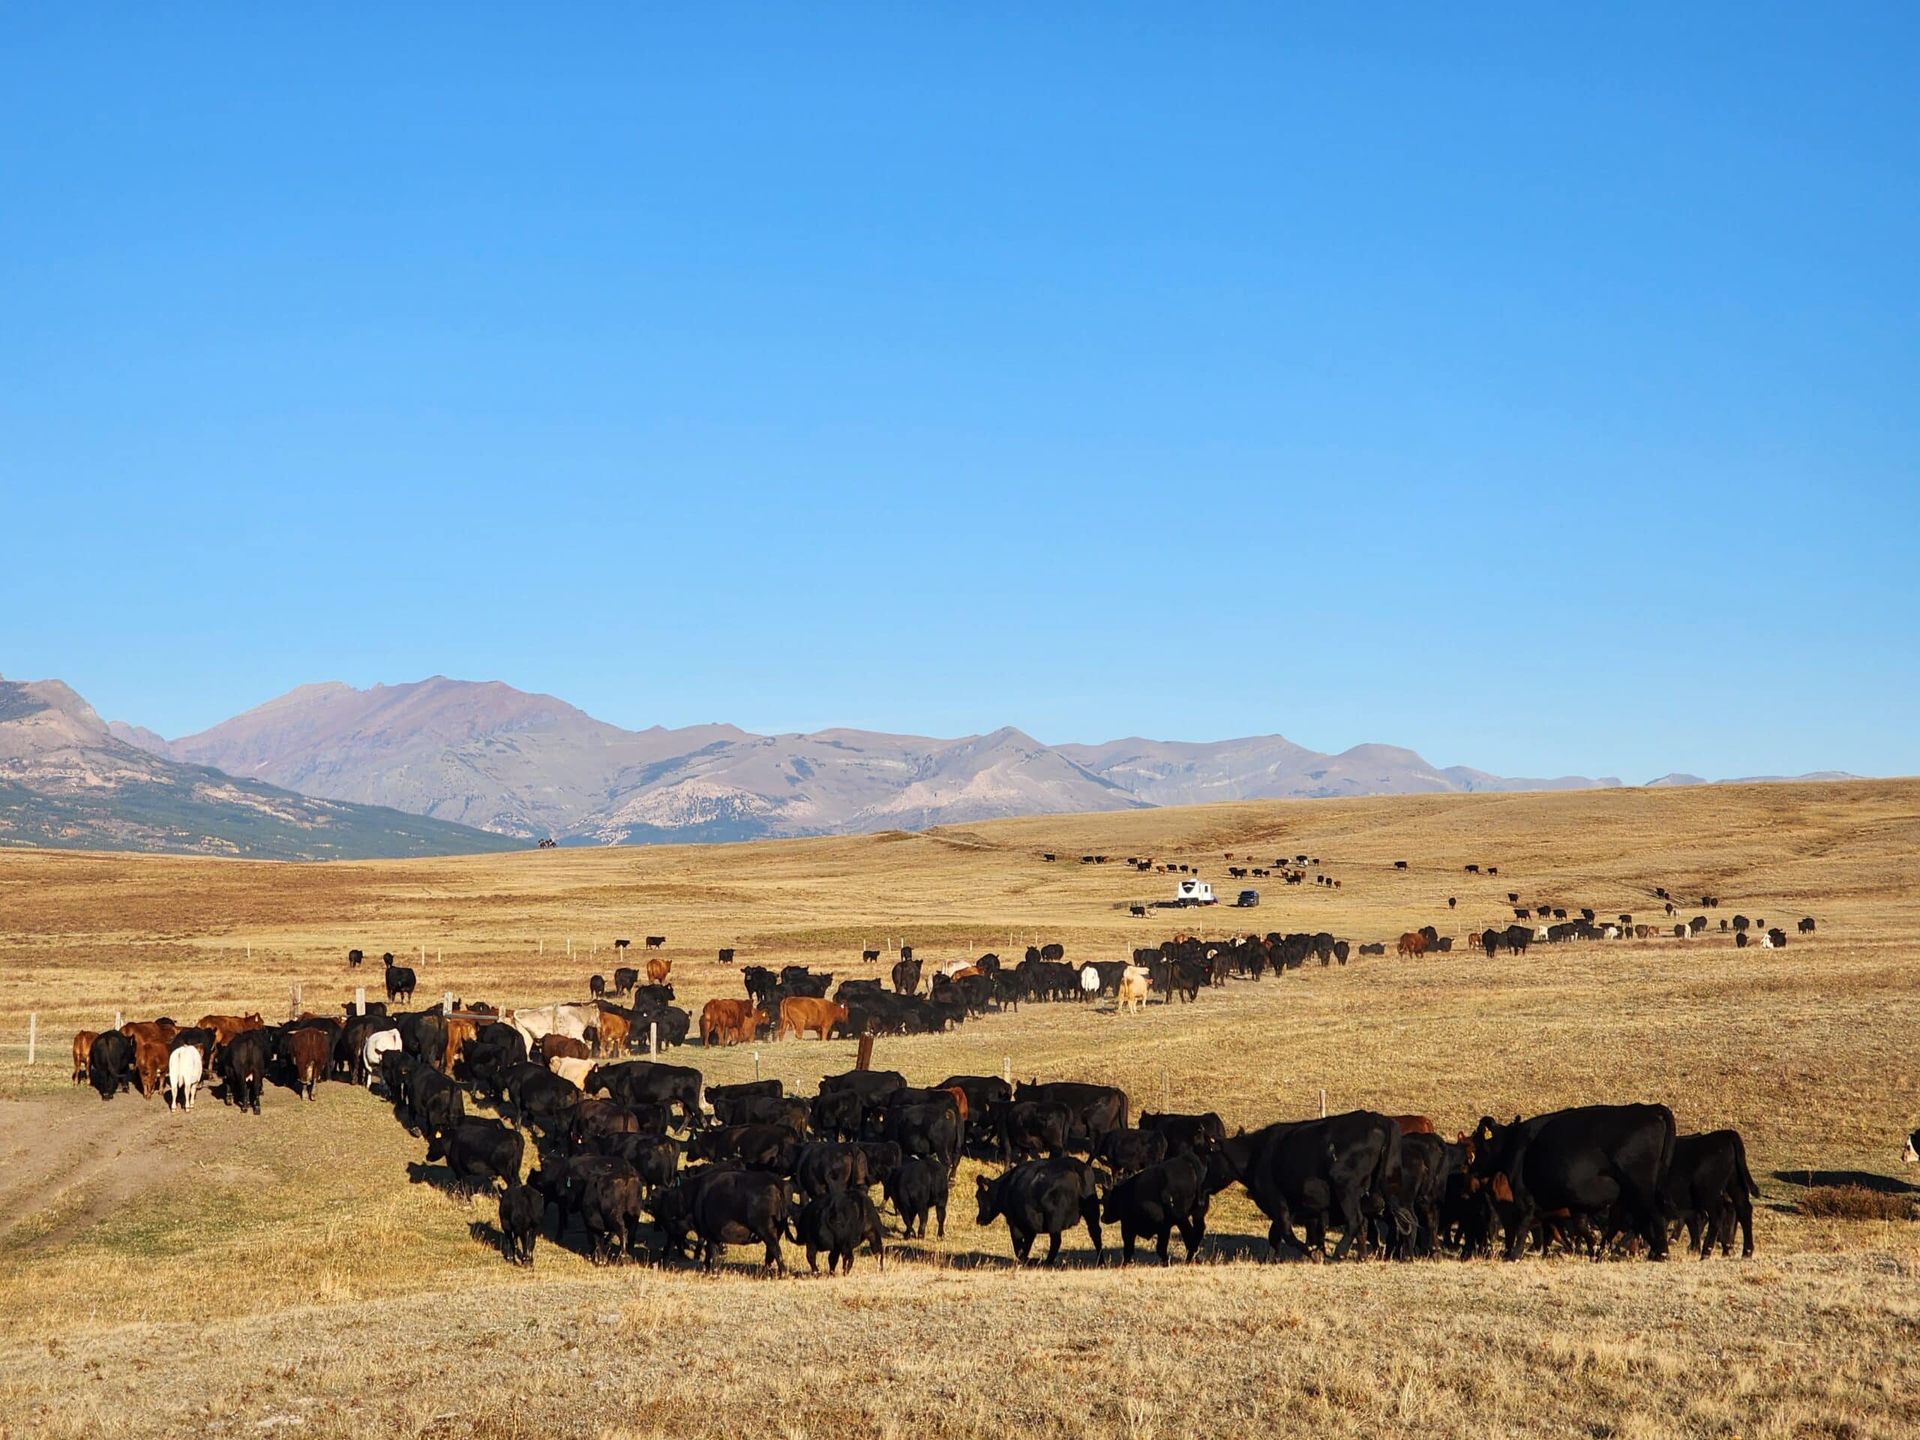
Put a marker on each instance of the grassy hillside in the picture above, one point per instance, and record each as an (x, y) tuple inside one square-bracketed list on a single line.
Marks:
[(305, 1225)]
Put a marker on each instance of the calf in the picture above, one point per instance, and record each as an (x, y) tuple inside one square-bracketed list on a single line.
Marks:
[(917, 1189), (522, 1212), (1171, 1194)]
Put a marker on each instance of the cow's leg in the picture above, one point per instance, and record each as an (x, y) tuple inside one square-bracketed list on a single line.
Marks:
[(1053, 1246), (1163, 1242), (1352, 1222)]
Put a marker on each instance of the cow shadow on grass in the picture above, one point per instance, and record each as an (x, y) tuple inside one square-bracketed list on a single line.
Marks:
[(1864, 1179)]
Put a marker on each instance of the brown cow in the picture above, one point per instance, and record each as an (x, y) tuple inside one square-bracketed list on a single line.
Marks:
[(800, 1015), (152, 1043), (614, 1031), (225, 1027), (658, 970), (311, 1050), (730, 1022), (1413, 1124), (1413, 943), (553, 1045), (459, 1033), (82, 1047)]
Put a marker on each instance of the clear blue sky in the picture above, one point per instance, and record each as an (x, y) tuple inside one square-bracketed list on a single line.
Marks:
[(1538, 387)]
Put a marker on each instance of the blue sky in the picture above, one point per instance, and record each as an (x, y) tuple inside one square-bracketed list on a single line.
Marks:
[(1533, 387)]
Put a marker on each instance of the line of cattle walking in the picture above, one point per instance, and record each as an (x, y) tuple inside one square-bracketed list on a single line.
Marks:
[(640, 1155)]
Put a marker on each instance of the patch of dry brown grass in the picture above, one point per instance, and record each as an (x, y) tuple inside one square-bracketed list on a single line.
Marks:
[(1854, 1202)]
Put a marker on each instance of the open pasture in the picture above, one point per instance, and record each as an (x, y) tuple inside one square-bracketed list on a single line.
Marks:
[(233, 1275)]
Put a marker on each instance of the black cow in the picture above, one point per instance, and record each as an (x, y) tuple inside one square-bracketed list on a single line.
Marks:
[(480, 1151), (603, 1193), (1032, 1128), (110, 1063), (727, 1207), (243, 1068), (400, 982), (1428, 1170), (1709, 1189), (1042, 1197), (522, 1211), (649, 1082), (906, 977), (1585, 1161), (354, 958), (983, 1092), (597, 986), (726, 955), (435, 1104), (654, 1157), (1338, 1168), (1096, 1109), (917, 1189), (1187, 1134), (1174, 1193), (1126, 1152), (838, 1223), (625, 977), (540, 1098), (759, 1147), (872, 1086), (825, 1165), (931, 1129)]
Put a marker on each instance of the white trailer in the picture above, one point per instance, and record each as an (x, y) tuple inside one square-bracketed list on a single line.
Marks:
[(1194, 892)]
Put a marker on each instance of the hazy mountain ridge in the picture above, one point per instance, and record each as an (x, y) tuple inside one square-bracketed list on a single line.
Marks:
[(68, 780), (527, 765)]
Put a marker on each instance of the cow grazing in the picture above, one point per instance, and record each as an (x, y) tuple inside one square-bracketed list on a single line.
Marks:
[(522, 1212), (1041, 1197), (727, 1207), (184, 1069), (110, 1063), (1806, 925)]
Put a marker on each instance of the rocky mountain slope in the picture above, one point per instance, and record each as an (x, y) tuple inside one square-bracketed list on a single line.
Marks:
[(68, 781)]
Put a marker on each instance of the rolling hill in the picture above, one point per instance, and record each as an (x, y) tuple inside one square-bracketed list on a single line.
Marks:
[(68, 782)]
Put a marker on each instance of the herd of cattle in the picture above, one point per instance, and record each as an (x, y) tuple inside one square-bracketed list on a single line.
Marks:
[(640, 1155)]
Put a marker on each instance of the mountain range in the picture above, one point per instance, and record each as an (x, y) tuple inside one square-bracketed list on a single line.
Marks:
[(452, 766), (487, 755), (68, 782)]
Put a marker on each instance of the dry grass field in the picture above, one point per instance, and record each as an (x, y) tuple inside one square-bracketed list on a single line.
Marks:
[(230, 1275)]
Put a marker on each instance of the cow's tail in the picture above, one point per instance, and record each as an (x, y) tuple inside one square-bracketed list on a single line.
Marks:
[(1745, 1175)]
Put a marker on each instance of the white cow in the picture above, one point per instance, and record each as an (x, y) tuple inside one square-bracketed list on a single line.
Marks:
[(571, 1020), (1089, 981), (183, 1076), (378, 1044), (568, 1068)]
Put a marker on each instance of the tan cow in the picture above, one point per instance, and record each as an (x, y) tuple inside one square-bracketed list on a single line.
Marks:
[(801, 1014), (1133, 988), (82, 1052)]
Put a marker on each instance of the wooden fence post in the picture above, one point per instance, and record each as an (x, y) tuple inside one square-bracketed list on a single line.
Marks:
[(756, 1064), (864, 1059), (117, 1020), (359, 999), (33, 1035), (293, 1002), (653, 1040), (446, 1002)]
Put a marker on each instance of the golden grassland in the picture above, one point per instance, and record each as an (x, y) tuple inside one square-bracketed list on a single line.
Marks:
[(239, 1275)]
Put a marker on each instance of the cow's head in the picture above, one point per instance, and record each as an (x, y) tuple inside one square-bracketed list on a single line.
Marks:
[(988, 1194)]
